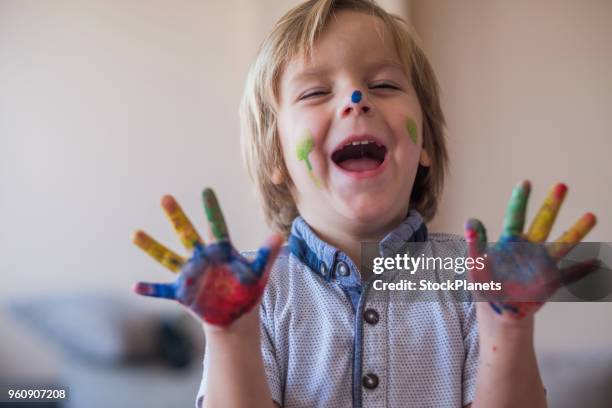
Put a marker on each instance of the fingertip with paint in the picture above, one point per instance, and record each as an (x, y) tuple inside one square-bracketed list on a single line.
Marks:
[(590, 219), (141, 288), (470, 224), (524, 185), (207, 192), (560, 190), (472, 227), (138, 237), (168, 203)]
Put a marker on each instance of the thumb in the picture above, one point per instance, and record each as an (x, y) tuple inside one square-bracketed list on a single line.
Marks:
[(267, 255), (476, 237)]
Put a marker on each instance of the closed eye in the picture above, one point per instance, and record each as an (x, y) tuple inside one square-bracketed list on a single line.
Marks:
[(312, 94), (384, 86)]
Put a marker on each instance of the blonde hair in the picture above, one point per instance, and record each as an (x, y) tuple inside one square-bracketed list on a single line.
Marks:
[(295, 34)]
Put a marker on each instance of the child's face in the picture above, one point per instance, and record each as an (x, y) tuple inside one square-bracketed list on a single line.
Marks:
[(364, 185)]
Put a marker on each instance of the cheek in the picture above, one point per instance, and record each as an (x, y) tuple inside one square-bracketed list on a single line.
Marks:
[(302, 136), (408, 136), (413, 131)]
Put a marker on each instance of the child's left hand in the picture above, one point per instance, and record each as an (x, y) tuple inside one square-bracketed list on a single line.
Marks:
[(525, 267)]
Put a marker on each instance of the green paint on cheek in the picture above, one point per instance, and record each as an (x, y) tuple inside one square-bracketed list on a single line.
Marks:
[(411, 127), (303, 150)]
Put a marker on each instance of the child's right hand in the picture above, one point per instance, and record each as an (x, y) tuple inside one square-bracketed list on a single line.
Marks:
[(216, 283)]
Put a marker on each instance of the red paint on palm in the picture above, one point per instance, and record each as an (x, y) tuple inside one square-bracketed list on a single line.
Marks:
[(223, 298)]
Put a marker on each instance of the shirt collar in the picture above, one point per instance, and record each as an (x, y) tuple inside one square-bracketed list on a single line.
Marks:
[(322, 257)]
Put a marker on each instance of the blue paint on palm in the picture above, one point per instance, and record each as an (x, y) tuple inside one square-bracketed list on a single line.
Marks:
[(356, 97), (185, 288), (520, 260)]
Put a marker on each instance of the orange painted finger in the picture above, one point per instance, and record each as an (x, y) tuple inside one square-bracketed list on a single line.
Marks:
[(184, 228), (568, 240), (158, 252), (545, 218)]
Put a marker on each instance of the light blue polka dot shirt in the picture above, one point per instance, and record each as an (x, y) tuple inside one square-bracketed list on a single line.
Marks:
[(329, 341)]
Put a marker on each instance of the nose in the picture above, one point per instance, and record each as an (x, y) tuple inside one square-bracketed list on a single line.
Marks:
[(356, 105)]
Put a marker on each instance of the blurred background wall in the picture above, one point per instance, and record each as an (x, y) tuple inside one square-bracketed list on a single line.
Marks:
[(107, 105), (527, 93)]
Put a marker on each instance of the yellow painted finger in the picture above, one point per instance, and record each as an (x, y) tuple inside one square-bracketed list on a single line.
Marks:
[(568, 240), (157, 251), (545, 218), (183, 227)]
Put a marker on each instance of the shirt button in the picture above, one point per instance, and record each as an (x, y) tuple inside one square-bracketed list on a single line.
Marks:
[(371, 316), (370, 381), (323, 269), (343, 269)]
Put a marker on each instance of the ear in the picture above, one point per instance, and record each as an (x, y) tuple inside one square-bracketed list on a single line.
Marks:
[(424, 160), (277, 178)]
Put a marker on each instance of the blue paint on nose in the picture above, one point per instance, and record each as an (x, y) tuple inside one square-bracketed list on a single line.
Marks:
[(356, 97)]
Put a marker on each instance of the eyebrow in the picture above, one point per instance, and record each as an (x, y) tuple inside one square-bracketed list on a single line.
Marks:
[(322, 70)]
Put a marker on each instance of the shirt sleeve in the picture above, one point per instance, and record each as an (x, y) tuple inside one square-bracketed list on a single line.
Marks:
[(270, 360), (471, 344)]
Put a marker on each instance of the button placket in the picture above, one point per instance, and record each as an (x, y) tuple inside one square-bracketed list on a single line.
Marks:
[(375, 354)]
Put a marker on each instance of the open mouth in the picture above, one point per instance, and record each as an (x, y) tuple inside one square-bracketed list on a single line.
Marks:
[(360, 155)]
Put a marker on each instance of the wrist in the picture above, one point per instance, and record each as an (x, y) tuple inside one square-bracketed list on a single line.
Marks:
[(245, 329), (503, 327)]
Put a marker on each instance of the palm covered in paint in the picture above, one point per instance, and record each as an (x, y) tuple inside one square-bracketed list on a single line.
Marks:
[(524, 265), (216, 283)]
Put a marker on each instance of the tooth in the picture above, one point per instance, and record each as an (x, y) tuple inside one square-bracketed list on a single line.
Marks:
[(356, 143), (365, 142)]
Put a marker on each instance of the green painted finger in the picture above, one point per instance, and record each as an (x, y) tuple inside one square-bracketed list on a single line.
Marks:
[(214, 215), (515, 212)]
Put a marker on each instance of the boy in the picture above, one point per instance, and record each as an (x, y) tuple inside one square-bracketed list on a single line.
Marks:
[(343, 134)]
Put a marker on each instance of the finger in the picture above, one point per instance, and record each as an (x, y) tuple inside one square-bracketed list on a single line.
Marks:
[(267, 254), (183, 227), (158, 290), (568, 240), (515, 212), (545, 218), (476, 237), (216, 222), (159, 252), (576, 272)]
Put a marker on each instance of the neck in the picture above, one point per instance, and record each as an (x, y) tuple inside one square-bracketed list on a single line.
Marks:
[(349, 240)]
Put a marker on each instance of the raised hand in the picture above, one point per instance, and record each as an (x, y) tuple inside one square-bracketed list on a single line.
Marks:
[(521, 262), (216, 283)]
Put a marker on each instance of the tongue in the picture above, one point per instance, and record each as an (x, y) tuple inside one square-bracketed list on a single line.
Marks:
[(362, 164)]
